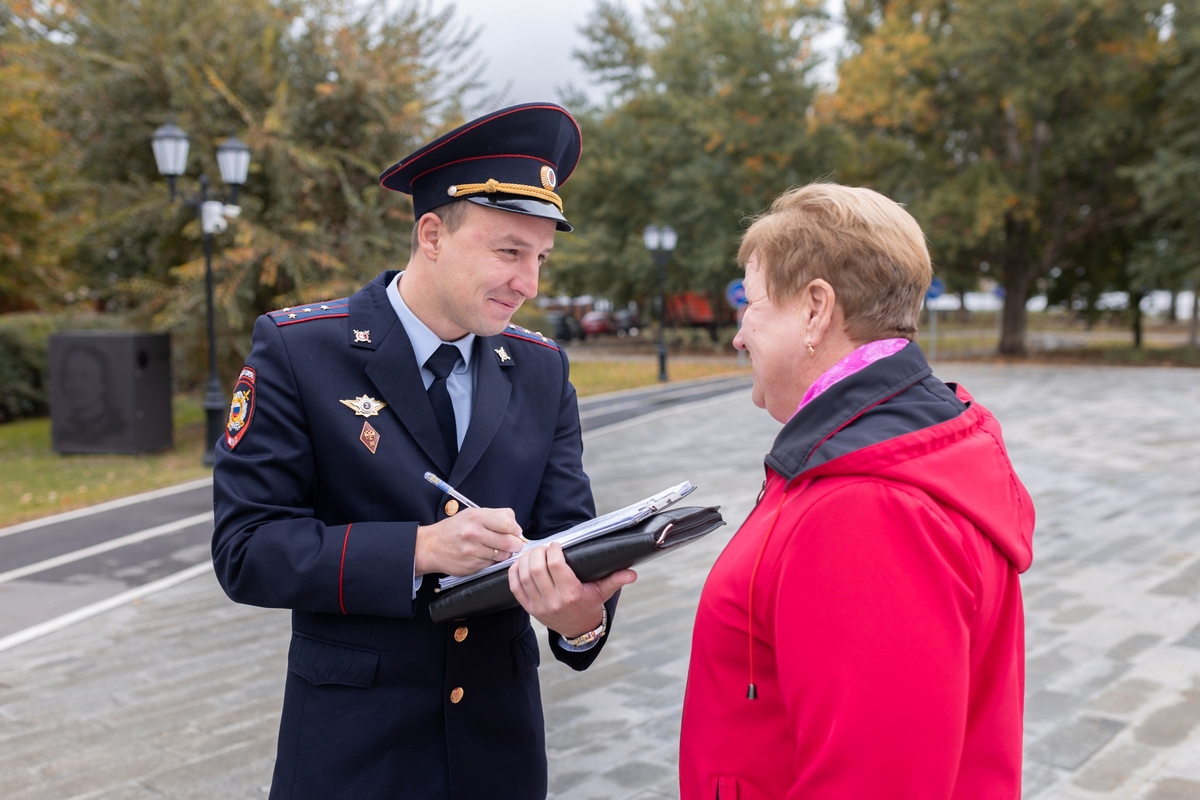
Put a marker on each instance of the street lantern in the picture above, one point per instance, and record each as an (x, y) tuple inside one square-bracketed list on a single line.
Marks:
[(661, 243), (233, 158), (170, 145)]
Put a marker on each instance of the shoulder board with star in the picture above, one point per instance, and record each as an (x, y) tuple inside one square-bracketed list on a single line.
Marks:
[(517, 332), (322, 310)]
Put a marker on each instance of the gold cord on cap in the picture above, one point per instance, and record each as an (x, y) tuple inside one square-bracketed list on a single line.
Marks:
[(492, 186)]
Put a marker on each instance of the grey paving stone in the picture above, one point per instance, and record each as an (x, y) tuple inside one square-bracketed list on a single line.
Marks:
[(1171, 725), (1112, 768), (1124, 698), (1050, 705), (1175, 789), (1040, 669), (1186, 582), (636, 774), (1036, 778), (1191, 638), (1133, 646), (1071, 744)]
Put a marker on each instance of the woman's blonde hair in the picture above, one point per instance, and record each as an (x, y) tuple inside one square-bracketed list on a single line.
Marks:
[(870, 250)]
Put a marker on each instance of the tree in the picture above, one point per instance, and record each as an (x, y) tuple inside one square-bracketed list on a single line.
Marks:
[(29, 165), (709, 119), (1169, 181), (1016, 117), (326, 94)]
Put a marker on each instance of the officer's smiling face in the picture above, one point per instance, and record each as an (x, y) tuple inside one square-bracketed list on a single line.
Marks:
[(489, 266)]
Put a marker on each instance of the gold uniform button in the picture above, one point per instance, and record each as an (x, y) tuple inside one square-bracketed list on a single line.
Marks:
[(456, 694), (460, 633), (451, 507)]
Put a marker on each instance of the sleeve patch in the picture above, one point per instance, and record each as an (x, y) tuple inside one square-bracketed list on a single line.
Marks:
[(241, 409)]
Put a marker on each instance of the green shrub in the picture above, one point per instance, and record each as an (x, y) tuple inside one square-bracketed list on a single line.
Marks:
[(24, 348)]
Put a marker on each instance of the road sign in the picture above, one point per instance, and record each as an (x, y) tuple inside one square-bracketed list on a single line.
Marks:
[(735, 294), (936, 289)]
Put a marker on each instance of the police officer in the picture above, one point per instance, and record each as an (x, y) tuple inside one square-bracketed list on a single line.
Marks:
[(321, 505)]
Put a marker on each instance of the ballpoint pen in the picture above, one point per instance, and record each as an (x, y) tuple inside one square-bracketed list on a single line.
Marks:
[(456, 494), (450, 490)]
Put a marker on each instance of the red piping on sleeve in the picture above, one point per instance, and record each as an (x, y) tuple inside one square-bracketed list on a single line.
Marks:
[(342, 569)]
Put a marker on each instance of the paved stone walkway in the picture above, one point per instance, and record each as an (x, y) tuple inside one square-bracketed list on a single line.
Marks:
[(177, 695)]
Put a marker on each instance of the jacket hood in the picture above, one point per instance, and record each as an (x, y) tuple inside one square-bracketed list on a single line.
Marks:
[(894, 421)]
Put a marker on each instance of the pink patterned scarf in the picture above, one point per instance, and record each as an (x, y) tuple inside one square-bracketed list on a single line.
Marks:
[(869, 353)]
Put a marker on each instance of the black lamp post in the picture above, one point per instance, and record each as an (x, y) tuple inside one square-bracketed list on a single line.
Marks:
[(661, 242), (233, 158)]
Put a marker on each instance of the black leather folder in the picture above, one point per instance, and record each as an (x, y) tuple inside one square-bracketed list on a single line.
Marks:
[(591, 560)]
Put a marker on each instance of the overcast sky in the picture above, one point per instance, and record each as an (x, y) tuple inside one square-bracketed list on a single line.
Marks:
[(528, 43)]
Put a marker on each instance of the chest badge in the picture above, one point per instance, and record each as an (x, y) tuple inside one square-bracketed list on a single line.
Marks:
[(364, 406), (362, 336), (369, 437), (504, 356)]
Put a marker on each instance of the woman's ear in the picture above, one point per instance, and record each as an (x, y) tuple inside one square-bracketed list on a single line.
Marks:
[(819, 302)]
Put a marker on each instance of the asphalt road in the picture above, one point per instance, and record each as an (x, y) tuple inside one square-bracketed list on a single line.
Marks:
[(60, 569)]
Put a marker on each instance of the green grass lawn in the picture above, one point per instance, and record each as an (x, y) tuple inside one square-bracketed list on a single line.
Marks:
[(37, 482), (600, 376)]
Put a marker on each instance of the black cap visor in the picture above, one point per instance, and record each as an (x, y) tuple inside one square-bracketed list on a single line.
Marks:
[(523, 205)]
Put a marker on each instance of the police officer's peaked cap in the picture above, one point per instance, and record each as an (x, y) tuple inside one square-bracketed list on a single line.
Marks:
[(512, 159)]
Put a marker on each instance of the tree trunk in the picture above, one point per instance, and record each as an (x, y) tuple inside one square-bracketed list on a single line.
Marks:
[(1172, 317), (1019, 272), (1135, 305)]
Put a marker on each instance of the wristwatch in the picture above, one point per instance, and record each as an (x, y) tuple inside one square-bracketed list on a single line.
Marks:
[(593, 635)]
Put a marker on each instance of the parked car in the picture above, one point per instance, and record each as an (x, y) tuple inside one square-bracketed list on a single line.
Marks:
[(598, 323), (627, 322), (563, 326)]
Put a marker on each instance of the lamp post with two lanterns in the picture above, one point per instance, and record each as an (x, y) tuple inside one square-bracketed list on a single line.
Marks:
[(661, 242), (171, 145)]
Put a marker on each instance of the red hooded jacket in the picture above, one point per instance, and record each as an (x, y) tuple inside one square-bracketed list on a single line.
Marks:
[(871, 600)]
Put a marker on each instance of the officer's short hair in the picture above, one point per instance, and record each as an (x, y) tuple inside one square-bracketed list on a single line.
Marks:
[(451, 215), (867, 246)]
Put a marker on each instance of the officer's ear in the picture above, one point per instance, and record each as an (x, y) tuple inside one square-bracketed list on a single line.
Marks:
[(429, 235)]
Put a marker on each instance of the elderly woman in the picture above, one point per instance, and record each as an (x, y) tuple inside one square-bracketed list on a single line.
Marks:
[(861, 636)]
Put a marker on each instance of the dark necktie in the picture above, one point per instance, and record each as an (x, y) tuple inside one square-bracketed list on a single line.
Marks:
[(441, 364)]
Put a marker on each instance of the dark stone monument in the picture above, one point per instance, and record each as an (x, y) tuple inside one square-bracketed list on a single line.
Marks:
[(110, 392)]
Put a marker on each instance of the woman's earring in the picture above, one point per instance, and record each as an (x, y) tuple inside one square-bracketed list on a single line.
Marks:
[(811, 352)]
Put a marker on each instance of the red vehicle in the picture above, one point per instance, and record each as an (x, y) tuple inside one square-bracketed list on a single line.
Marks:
[(597, 323)]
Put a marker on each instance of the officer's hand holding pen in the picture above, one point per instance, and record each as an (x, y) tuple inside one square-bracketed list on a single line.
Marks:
[(480, 537), (467, 542)]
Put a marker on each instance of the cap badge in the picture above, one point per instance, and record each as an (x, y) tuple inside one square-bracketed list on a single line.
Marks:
[(504, 356), (362, 336), (549, 179), (369, 437), (364, 406)]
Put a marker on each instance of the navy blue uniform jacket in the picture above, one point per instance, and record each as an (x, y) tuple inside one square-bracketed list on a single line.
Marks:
[(308, 518)]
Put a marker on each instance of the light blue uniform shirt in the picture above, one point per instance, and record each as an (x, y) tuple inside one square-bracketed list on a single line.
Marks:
[(461, 382)]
